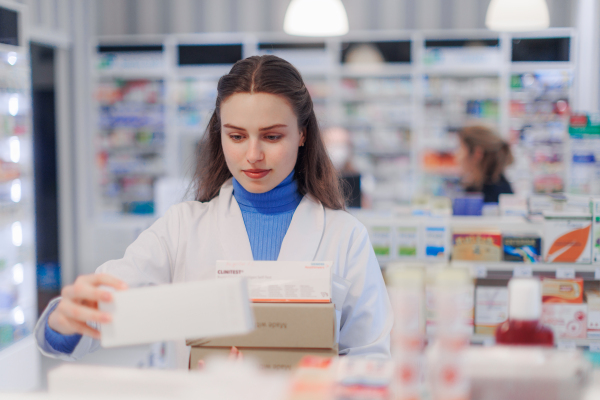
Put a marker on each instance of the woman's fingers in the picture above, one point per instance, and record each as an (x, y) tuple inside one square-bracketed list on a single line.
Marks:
[(83, 329), (235, 354), (82, 313), (105, 279), (84, 291)]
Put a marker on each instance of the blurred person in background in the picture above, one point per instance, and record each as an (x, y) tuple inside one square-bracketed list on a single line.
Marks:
[(357, 186), (482, 158), (339, 147)]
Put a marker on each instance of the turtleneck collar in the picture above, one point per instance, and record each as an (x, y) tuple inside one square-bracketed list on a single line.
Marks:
[(284, 197)]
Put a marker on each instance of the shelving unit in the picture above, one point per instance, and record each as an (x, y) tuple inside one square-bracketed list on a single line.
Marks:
[(401, 112), (18, 296)]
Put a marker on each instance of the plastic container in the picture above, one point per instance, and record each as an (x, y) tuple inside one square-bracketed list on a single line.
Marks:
[(523, 326)]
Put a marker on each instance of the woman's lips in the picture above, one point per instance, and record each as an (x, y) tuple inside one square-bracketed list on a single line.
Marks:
[(256, 173)]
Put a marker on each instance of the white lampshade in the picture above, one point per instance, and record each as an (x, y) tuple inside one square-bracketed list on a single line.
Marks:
[(316, 18), (517, 15)]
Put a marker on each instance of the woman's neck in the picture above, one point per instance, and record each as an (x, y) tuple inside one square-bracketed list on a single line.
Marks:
[(284, 197)]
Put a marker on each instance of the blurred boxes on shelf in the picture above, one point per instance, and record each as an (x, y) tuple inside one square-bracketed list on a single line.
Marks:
[(525, 248), (562, 290), (592, 298), (567, 237), (568, 321), (491, 308), (473, 245)]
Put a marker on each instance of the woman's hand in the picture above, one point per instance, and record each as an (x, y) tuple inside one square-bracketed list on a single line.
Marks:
[(234, 355), (79, 304)]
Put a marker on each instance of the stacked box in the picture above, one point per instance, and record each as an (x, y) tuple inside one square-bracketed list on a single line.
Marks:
[(292, 309), (284, 334)]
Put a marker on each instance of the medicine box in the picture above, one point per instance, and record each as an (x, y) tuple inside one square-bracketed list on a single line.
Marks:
[(477, 246), (491, 308), (381, 240), (406, 241), (592, 298), (596, 230), (436, 240), (568, 321), (562, 290), (281, 281), (522, 248), (567, 238), (162, 313)]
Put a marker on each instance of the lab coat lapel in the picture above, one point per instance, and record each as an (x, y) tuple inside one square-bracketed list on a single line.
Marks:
[(232, 231), (304, 235)]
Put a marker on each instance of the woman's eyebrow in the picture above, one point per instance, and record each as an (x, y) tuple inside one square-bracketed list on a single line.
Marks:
[(268, 128), (234, 127)]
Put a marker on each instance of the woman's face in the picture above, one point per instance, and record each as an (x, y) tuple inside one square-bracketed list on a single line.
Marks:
[(468, 163), (260, 138)]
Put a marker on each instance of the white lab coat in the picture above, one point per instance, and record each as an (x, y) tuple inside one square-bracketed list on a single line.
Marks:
[(186, 242)]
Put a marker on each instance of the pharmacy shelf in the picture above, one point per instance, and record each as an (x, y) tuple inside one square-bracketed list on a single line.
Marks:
[(507, 269), (590, 344)]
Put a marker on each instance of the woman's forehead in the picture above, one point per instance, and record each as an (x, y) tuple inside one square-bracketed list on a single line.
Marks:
[(256, 109)]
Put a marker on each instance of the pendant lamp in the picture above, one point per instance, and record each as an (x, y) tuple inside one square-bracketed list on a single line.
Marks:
[(316, 18), (517, 15)]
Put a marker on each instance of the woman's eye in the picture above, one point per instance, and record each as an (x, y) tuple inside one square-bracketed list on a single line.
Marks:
[(273, 137), (236, 138)]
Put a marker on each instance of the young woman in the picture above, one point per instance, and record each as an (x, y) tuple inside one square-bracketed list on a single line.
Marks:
[(482, 157), (265, 190)]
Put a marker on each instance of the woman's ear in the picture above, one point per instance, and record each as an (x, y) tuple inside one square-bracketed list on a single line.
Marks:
[(302, 137)]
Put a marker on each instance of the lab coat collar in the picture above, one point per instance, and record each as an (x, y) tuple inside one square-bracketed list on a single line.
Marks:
[(232, 231), (300, 243), (304, 235)]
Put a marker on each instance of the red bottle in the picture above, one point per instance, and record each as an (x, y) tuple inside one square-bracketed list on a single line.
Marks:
[(523, 326)]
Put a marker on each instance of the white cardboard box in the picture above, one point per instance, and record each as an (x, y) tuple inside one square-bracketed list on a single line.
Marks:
[(177, 311), (568, 321), (567, 238), (282, 281), (491, 308)]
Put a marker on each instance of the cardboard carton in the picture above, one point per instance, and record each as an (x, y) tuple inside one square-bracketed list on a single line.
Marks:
[(273, 359), (283, 325)]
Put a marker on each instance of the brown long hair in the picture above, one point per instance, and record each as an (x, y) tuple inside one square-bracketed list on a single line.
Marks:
[(496, 152), (314, 171)]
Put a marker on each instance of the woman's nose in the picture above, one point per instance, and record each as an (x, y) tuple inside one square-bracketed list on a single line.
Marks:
[(254, 153)]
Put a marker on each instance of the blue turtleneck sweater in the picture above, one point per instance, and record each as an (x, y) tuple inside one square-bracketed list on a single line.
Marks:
[(267, 217)]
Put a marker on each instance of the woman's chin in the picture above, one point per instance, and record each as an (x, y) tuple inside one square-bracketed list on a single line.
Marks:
[(256, 186)]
